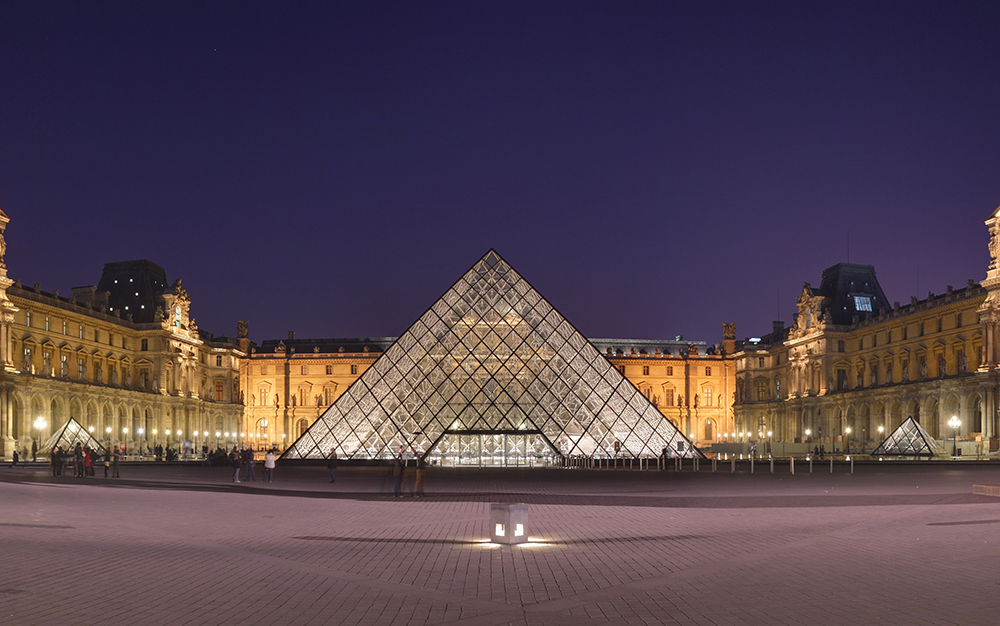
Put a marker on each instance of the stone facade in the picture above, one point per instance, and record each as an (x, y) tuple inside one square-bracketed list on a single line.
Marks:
[(138, 375), (291, 382), (851, 364)]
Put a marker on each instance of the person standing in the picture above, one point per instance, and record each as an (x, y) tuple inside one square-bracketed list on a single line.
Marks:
[(269, 459), (16, 457), (397, 472), (114, 463), (331, 464), (78, 461), (88, 463), (251, 462), (236, 461), (34, 451), (107, 461)]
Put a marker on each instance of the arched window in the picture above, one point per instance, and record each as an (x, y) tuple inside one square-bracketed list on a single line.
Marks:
[(709, 430)]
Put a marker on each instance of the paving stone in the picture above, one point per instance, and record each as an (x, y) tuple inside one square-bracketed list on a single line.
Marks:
[(173, 544)]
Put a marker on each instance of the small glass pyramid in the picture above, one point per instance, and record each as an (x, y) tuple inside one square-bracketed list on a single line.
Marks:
[(68, 436), (910, 439), (491, 374)]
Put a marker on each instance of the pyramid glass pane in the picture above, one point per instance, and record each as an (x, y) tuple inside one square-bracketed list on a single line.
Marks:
[(491, 374)]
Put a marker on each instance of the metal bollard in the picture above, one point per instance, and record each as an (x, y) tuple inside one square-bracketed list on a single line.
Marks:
[(791, 464), (772, 464), (810, 465), (831, 466), (715, 465), (852, 465), (751, 464), (732, 465)]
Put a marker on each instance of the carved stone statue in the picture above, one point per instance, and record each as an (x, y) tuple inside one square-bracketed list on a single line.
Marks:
[(942, 367), (729, 330), (923, 368), (994, 249), (873, 376), (861, 378), (963, 363), (906, 371), (242, 329), (888, 373)]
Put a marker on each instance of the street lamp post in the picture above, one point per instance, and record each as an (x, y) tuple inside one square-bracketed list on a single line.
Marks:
[(848, 432), (955, 424), (39, 425)]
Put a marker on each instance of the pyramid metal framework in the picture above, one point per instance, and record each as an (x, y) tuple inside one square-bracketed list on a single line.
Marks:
[(491, 358), (910, 439), (68, 436)]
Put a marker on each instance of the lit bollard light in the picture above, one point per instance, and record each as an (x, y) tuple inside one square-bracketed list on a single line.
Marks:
[(791, 464)]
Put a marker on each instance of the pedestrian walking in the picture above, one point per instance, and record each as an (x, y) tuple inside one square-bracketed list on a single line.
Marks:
[(107, 462), (269, 460), (34, 451), (331, 464), (114, 463), (421, 476), (16, 457)]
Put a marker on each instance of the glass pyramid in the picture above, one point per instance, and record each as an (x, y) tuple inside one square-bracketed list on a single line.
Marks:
[(491, 374), (68, 436), (910, 439)]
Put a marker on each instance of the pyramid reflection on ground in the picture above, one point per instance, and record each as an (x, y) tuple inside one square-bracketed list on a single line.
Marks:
[(910, 439), (492, 371)]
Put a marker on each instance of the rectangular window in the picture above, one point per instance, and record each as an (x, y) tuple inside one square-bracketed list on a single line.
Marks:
[(904, 333), (760, 362), (329, 370), (354, 369), (47, 323), (842, 380), (305, 370), (218, 391), (144, 345), (27, 319), (874, 341), (958, 320), (65, 327), (218, 360), (28, 367), (708, 371), (761, 391), (263, 370), (863, 303), (81, 331), (668, 397), (621, 368), (645, 371), (302, 397), (64, 366), (670, 370), (708, 396), (647, 392), (263, 396), (328, 395), (81, 369)]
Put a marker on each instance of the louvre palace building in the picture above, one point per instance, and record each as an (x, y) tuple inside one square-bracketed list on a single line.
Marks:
[(492, 374), (124, 359)]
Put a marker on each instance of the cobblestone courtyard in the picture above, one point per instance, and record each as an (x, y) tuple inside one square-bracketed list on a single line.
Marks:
[(183, 545)]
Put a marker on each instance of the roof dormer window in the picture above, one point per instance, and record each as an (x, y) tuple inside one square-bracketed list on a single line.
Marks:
[(863, 303)]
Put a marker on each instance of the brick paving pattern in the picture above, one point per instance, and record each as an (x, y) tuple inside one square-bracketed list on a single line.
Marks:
[(183, 545)]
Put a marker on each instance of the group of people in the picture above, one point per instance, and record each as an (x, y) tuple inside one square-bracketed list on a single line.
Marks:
[(83, 459), (22, 456), (244, 462)]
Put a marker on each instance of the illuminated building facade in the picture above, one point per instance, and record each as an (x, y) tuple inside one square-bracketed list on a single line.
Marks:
[(852, 363), (124, 358)]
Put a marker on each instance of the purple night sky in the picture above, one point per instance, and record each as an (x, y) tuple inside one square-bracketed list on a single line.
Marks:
[(652, 168)]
